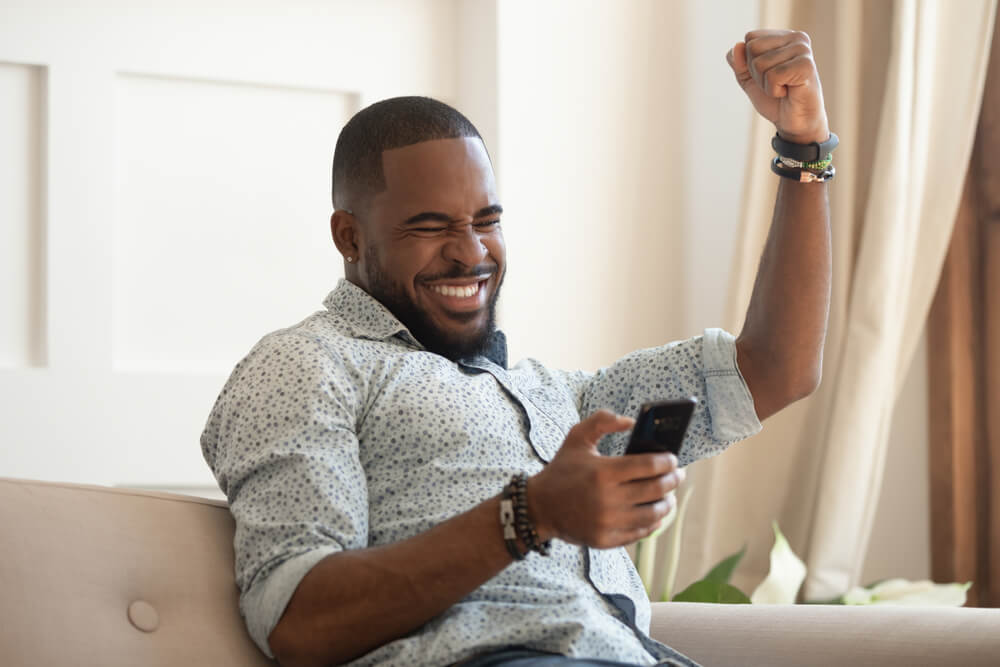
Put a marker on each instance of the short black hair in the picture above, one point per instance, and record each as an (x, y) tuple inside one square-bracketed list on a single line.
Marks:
[(391, 123)]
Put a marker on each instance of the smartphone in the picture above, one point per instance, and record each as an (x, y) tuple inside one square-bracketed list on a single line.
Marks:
[(661, 426)]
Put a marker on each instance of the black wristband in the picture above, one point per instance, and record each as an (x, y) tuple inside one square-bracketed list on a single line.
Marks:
[(813, 152)]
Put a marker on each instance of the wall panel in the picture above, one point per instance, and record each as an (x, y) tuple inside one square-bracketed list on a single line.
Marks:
[(22, 224), (217, 239)]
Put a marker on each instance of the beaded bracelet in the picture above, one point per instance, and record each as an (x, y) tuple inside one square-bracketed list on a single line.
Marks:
[(819, 165), (525, 527), (517, 490), (802, 175)]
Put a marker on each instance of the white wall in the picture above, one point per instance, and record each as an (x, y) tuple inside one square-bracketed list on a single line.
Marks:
[(165, 202), (592, 106)]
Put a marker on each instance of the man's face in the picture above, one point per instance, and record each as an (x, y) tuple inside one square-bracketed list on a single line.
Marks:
[(433, 251)]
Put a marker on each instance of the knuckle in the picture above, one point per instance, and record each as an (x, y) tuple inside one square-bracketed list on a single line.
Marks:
[(668, 483), (802, 36), (662, 507), (575, 432)]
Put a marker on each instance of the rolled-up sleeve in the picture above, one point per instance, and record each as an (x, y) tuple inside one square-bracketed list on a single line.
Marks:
[(703, 367), (281, 441)]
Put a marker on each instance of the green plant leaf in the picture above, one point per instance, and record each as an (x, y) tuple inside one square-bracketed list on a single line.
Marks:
[(724, 570), (712, 590), (786, 575)]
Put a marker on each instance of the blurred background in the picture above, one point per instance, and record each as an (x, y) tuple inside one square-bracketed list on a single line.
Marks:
[(164, 202)]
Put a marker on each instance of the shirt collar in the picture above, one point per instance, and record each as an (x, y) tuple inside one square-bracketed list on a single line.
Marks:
[(366, 317)]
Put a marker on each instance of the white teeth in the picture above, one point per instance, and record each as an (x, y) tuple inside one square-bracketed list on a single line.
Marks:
[(456, 290)]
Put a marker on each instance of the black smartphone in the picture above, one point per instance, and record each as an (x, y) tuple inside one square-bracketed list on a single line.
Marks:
[(661, 426)]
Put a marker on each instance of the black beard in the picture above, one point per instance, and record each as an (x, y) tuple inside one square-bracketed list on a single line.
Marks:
[(391, 295)]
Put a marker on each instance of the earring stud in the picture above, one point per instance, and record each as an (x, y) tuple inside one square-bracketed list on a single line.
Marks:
[(350, 259)]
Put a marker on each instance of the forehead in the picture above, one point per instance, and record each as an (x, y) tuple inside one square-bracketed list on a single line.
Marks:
[(451, 174)]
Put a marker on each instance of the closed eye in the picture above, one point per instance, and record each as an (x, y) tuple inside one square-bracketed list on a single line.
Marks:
[(488, 223)]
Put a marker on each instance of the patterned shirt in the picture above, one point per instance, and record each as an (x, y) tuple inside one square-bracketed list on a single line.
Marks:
[(342, 432)]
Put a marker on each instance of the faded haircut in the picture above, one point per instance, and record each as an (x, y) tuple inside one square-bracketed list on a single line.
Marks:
[(392, 123)]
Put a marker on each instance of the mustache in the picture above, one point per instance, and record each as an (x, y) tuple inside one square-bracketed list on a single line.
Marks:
[(481, 271)]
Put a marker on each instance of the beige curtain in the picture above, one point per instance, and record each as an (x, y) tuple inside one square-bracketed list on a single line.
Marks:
[(902, 81)]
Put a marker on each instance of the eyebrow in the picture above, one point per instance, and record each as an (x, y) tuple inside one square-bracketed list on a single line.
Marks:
[(437, 216)]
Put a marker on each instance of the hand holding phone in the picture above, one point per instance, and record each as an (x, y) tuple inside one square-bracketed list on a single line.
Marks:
[(661, 426)]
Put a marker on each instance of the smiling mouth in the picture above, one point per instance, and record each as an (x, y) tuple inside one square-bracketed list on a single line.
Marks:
[(462, 291), (460, 296)]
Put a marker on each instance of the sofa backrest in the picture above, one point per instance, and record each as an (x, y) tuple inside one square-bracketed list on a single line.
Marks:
[(98, 576)]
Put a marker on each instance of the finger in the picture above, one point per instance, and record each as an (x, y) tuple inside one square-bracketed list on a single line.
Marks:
[(628, 537), (642, 466), (737, 59), (789, 74), (635, 524), (643, 516), (764, 40), (651, 490), (758, 44), (599, 424), (763, 67)]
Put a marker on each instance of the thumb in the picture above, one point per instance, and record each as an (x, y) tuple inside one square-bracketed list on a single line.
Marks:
[(737, 59), (588, 432)]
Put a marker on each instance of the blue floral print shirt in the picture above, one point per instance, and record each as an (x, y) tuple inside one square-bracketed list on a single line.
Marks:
[(342, 432)]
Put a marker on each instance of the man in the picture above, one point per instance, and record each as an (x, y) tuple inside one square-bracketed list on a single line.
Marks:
[(371, 452)]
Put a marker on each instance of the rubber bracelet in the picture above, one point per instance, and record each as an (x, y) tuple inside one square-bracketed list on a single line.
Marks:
[(813, 152)]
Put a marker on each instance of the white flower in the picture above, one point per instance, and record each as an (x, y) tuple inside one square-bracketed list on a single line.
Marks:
[(786, 575), (903, 592)]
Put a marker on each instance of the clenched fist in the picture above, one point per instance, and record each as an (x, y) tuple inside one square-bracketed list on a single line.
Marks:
[(776, 70)]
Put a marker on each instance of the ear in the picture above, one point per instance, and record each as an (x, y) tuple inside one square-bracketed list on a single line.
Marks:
[(346, 233)]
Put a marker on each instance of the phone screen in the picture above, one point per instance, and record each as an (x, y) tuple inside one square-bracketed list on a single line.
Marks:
[(661, 426)]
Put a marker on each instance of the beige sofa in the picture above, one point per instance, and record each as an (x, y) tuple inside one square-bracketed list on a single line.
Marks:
[(108, 577)]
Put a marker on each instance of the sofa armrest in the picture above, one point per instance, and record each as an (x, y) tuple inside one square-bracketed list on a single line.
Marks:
[(776, 635)]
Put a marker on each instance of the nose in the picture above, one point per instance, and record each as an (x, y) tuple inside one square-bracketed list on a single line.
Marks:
[(464, 246)]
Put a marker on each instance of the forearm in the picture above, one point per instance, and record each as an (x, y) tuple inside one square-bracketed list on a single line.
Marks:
[(354, 601), (781, 344)]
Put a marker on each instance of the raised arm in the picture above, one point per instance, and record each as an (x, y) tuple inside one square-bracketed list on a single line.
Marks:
[(780, 349)]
